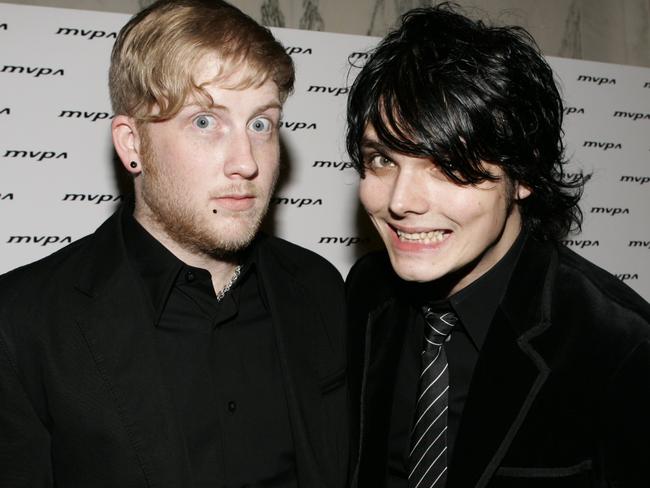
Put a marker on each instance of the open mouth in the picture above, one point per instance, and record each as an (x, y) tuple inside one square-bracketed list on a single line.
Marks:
[(429, 237)]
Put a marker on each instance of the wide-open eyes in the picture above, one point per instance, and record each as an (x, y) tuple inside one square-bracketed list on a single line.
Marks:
[(261, 125), (204, 121)]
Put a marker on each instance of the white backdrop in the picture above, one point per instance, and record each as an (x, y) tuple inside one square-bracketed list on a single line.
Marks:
[(58, 179)]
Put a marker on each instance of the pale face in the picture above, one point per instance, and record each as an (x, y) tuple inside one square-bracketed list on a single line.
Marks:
[(431, 226), (209, 172)]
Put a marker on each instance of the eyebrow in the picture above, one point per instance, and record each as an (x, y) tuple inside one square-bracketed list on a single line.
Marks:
[(369, 144), (270, 105)]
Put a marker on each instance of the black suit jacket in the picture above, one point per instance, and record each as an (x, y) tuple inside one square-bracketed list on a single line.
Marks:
[(82, 401), (560, 396)]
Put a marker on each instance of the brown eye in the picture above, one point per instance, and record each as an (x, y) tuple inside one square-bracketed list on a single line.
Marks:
[(378, 161)]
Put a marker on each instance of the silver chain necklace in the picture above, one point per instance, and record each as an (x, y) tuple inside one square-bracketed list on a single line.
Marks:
[(228, 286)]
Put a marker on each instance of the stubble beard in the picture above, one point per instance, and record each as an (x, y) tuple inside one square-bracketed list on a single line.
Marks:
[(187, 226)]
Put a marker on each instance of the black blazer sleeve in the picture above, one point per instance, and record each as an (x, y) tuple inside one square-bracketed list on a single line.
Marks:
[(625, 420), (25, 459)]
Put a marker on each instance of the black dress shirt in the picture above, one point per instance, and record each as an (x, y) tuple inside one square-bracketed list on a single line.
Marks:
[(220, 365), (475, 306)]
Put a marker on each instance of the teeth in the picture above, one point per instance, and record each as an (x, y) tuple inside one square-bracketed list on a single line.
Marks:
[(425, 237)]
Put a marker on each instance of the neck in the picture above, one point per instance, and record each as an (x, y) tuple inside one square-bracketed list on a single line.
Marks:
[(221, 269), (468, 274)]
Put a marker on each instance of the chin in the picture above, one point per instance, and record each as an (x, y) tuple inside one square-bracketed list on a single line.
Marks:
[(414, 271), (232, 242)]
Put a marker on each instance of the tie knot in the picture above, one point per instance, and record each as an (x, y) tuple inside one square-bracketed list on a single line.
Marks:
[(439, 326)]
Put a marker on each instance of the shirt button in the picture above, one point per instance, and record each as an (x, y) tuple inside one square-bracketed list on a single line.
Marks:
[(232, 406), (189, 276)]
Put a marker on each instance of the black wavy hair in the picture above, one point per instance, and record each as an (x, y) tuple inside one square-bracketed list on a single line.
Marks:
[(462, 93)]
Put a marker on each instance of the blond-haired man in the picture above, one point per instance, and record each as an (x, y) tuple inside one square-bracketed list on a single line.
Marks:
[(176, 346)]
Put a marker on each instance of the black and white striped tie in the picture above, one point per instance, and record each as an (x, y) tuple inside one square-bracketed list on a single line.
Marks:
[(428, 456)]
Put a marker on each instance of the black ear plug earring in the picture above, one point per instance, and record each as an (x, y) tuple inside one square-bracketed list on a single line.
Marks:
[(134, 164)]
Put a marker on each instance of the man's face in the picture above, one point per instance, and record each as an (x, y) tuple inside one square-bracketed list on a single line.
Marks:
[(209, 172), (431, 226)]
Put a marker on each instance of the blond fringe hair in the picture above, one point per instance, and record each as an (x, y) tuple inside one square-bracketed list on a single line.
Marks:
[(156, 53)]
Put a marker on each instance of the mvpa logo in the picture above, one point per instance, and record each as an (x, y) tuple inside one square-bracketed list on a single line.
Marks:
[(89, 34), (92, 198), (631, 115), (574, 110), (610, 211), (627, 276), (358, 55), (291, 50), (641, 180), (340, 165), (645, 244), (78, 114), (32, 70), (37, 155), (605, 146), (599, 80), (581, 243), (347, 241), (297, 202), (42, 240), (294, 126), (331, 90)]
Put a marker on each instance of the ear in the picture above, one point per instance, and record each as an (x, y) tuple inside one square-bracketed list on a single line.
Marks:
[(522, 191), (126, 140)]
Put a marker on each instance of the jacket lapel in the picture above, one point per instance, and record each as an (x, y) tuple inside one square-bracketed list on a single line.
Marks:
[(509, 373), (305, 359), (384, 340), (117, 324)]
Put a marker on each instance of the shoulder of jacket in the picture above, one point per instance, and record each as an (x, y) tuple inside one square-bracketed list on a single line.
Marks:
[(44, 270), (371, 281), (297, 260)]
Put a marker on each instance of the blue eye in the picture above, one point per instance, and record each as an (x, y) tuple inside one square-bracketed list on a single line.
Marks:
[(203, 121), (261, 125)]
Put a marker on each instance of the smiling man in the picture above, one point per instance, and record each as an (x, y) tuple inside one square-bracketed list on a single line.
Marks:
[(176, 346), (483, 352)]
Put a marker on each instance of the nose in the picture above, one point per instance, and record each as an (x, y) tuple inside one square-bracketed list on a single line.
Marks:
[(240, 160), (409, 193)]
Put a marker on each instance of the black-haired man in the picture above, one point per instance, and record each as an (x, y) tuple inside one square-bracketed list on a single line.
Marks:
[(485, 354)]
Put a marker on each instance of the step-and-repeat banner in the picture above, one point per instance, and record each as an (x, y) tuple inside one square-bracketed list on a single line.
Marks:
[(59, 178)]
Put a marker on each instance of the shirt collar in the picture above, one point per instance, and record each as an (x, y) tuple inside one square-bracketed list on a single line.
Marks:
[(159, 268), (153, 262), (477, 303)]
